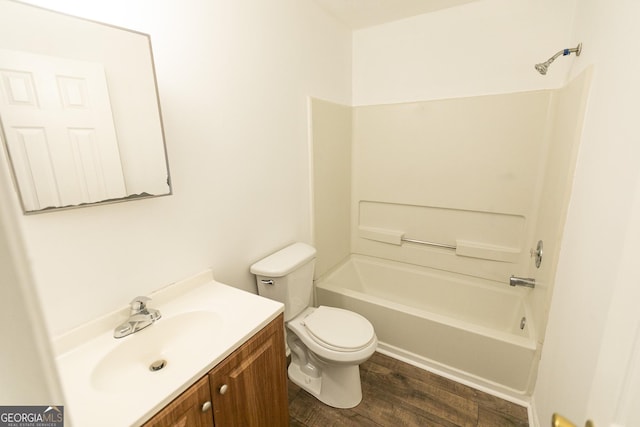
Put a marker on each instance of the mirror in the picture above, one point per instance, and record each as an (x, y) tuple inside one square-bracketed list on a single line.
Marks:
[(80, 117)]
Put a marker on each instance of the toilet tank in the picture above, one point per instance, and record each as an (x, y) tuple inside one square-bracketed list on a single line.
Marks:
[(287, 276)]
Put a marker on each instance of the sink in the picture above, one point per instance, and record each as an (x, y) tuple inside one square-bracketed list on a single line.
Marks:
[(157, 351), (203, 321)]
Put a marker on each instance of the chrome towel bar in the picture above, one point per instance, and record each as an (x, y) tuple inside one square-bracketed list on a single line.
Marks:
[(422, 242), (461, 247)]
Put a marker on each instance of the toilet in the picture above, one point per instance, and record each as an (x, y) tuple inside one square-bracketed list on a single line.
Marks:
[(327, 344)]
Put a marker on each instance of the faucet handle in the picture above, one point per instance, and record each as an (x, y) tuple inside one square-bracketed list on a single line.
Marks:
[(139, 303)]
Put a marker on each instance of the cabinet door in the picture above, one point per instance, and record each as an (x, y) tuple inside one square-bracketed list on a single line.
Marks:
[(249, 388), (187, 409)]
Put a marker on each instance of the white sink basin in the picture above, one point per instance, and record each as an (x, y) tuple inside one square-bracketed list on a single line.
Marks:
[(174, 340), (202, 322)]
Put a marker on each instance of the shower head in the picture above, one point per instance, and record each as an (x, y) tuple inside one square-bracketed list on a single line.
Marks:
[(543, 67)]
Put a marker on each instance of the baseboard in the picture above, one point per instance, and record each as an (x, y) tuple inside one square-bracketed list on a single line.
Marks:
[(533, 414)]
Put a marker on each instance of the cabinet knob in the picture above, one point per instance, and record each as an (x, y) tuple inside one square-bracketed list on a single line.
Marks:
[(206, 406), (223, 389)]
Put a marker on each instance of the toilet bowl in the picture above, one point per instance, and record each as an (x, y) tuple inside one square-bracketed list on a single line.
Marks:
[(327, 344)]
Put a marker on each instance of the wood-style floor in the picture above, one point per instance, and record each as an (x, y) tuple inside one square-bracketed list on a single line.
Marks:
[(398, 394)]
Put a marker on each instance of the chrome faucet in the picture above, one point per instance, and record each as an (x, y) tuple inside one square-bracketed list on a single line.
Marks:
[(140, 317), (522, 281)]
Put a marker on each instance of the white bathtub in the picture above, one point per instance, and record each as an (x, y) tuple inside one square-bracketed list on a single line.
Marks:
[(466, 327)]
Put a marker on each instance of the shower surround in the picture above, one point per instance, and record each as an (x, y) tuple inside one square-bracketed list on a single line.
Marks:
[(484, 178)]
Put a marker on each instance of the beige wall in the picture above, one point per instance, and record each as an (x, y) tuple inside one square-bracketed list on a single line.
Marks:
[(331, 141)]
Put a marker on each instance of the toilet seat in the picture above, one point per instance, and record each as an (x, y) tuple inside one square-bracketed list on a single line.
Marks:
[(338, 329), (326, 350)]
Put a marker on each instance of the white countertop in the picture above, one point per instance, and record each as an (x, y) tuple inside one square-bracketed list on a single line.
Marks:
[(133, 394)]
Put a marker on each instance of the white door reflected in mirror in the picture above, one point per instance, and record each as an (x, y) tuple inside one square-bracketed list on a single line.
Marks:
[(59, 128), (80, 117)]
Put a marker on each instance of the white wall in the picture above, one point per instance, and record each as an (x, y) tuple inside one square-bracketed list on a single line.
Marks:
[(27, 372), (480, 48), (578, 375), (233, 76), (615, 389)]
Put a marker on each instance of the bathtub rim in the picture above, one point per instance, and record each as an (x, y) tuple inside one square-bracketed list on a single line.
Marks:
[(529, 342)]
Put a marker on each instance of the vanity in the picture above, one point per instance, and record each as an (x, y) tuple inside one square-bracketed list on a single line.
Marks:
[(245, 389), (216, 357)]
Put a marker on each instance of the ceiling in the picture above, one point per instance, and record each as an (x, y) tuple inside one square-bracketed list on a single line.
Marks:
[(366, 13)]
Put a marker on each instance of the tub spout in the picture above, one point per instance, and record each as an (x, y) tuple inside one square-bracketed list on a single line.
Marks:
[(522, 281)]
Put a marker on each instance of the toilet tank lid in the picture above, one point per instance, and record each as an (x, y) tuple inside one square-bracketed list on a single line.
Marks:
[(284, 261)]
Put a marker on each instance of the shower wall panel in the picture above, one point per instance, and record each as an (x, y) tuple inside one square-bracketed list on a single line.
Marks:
[(568, 104), (331, 166), (450, 171)]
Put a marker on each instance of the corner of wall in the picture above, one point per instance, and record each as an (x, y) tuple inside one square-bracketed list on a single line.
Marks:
[(28, 370)]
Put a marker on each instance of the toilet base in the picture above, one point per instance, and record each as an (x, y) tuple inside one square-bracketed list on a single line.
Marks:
[(336, 386)]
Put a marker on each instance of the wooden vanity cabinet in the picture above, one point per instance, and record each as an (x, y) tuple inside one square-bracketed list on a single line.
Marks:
[(191, 409), (248, 388)]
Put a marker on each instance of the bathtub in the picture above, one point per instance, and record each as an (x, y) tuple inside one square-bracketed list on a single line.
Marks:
[(470, 329)]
